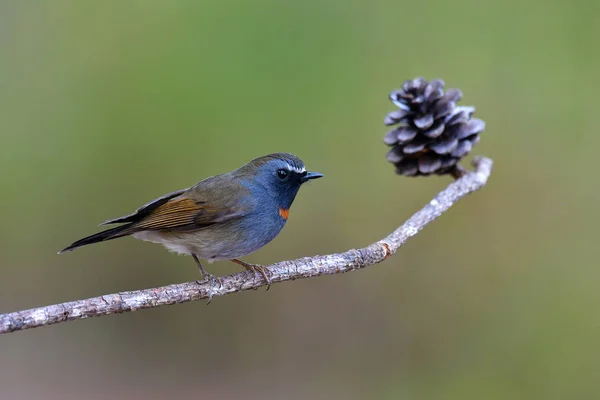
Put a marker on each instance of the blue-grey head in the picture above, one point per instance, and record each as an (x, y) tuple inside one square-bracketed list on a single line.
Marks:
[(280, 175)]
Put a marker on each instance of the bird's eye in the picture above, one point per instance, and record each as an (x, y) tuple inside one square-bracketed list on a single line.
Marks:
[(282, 174)]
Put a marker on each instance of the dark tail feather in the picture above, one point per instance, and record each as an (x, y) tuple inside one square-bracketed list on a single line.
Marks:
[(108, 234)]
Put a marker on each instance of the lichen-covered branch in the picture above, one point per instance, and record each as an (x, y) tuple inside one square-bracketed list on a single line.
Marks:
[(279, 272)]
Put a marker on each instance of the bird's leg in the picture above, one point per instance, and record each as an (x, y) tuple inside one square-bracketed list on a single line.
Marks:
[(207, 276), (255, 268)]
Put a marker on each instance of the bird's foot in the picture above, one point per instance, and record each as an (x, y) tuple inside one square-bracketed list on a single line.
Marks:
[(207, 277), (255, 268), (214, 280)]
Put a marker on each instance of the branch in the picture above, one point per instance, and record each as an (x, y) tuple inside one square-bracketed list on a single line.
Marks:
[(279, 272)]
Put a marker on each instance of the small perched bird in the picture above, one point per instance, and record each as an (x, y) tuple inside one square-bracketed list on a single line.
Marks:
[(223, 217)]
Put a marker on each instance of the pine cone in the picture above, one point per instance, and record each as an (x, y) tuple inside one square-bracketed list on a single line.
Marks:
[(433, 133)]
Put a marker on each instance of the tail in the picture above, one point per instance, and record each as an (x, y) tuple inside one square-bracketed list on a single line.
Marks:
[(108, 234)]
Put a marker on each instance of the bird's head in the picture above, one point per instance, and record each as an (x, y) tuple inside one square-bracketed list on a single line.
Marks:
[(280, 175)]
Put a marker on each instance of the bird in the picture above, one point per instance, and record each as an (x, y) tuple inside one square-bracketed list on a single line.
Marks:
[(223, 217)]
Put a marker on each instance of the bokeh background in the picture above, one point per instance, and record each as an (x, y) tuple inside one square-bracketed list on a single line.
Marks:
[(106, 105)]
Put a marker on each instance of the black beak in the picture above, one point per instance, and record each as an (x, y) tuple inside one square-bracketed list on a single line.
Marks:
[(310, 175)]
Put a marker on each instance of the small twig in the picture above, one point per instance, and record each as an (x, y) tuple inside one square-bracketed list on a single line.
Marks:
[(279, 272)]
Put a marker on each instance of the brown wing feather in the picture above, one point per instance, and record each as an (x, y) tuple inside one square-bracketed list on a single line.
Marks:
[(184, 213), (145, 209), (173, 214)]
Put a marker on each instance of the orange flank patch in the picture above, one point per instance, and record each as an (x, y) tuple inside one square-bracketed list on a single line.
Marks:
[(284, 212)]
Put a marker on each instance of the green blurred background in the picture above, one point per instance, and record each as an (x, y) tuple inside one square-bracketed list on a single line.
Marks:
[(106, 105)]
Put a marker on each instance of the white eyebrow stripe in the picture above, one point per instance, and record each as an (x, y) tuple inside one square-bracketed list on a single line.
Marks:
[(297, 170)]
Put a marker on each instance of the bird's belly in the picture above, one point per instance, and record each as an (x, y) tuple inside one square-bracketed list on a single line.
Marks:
[(157, 237), (211, 244)]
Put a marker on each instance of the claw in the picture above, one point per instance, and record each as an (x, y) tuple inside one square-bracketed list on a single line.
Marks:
[(213, 281), (263, 271), (255, 268), (207, 277)]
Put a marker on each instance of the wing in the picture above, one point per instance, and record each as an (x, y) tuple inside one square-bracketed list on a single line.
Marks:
[(145, 209), (215, 200), (186, 214)]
